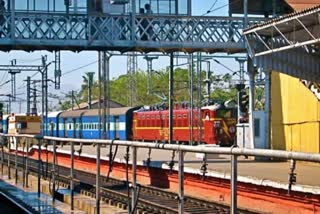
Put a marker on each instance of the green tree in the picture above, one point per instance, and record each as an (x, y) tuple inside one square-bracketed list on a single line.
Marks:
[(221, 85), (86, 88)]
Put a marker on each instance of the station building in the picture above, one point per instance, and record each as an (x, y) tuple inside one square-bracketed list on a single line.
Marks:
[(295, 107)]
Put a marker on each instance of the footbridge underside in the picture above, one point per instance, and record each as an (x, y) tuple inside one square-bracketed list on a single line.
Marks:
[(52, 31)]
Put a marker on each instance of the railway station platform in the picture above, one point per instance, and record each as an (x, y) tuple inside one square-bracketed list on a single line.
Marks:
[(262, 185), (27, 199), (262, 172)]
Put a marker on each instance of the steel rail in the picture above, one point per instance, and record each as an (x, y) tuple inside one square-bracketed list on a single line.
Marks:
[(148, 201)]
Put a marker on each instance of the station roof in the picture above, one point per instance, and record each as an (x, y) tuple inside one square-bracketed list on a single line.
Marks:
[(290, 44), (305, 16), (299, 5)]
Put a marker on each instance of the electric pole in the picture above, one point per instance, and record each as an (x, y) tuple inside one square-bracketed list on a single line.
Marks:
[(149, 71), (28, 94)]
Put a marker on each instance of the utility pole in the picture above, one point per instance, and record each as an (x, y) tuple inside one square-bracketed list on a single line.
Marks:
[(57, 70), (44, 91), (131, 73), (241, 69), (149, 71), (28, 94), (207, 81), (34, 110), (13, 83)]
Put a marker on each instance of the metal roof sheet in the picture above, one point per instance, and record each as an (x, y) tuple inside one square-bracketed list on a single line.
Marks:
[(113, 111), (264, 28), (299, 5), (54, 114), (72, 114)]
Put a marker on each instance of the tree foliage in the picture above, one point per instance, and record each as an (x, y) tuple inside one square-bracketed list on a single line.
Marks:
[(221, 88)]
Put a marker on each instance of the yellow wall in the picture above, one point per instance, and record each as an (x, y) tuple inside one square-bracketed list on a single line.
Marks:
[(295, 115)]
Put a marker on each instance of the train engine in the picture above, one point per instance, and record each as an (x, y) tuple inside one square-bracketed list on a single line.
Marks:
[(217, 125)]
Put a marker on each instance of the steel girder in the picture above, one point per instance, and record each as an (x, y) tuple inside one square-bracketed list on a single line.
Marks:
[(52, 31), (21, 67)]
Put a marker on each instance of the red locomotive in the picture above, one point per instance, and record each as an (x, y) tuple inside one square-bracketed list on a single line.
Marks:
[(217, 125)]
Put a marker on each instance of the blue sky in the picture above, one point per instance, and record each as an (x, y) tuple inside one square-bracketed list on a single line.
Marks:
[(72, 61)]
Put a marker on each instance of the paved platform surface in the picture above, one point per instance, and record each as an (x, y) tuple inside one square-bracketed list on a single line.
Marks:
[(27, 196), (44, 204), (219, 165)]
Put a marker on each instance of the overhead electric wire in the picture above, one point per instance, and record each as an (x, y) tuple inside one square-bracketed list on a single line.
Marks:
[(76, 69), (218, 8), (208, 11), (223, 65), (5, 76), (2, 84)]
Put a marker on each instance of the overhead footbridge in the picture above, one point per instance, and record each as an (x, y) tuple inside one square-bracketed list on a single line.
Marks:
[(106, 32)]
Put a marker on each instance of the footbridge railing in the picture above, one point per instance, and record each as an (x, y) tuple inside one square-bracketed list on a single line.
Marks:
[(53, 31)]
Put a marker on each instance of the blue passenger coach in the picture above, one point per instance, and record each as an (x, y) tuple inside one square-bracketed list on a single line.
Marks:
[(71, 124), (118, 119), (85, 124), (52, 124)]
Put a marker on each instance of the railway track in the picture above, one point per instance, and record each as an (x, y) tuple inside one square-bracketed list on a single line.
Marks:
[(113, 191)]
